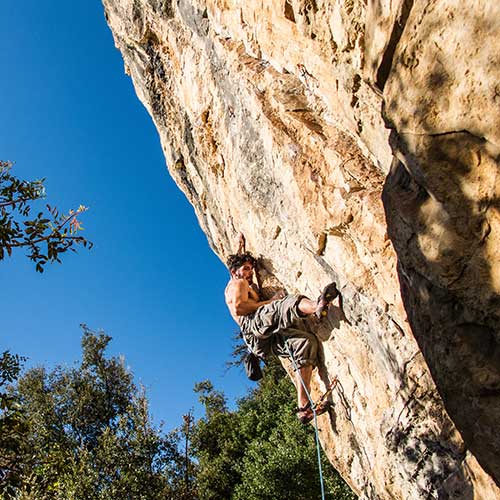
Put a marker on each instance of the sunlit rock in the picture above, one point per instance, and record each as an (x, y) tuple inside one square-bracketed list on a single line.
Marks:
[(356, 141)]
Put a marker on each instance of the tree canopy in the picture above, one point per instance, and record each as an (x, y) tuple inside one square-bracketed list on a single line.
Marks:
[(84, 432), (260, 450)]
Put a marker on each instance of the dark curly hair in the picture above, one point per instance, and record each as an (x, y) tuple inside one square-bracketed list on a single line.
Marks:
[(237, 260)]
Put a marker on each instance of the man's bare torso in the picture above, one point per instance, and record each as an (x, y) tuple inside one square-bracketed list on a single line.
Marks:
[(239, 289)]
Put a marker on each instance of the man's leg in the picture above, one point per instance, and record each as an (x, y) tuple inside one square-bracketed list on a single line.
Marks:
[(303, 347), (282, 314), (305, 373), (320, 307), (307, 306)]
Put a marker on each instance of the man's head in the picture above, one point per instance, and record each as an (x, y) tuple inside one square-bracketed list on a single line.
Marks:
[(241, 266)]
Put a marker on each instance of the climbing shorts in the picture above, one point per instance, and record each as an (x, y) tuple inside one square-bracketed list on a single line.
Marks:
[(266, 330)]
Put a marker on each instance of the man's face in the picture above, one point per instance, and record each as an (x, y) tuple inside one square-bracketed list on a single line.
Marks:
[(245, 272)]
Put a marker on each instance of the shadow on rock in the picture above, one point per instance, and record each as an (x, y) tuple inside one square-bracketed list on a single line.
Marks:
[(440, 235)]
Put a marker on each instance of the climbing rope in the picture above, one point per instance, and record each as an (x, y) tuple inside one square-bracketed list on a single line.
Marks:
[(311, 402)]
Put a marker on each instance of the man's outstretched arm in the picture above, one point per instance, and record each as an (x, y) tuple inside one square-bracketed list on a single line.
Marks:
[(241, 244)]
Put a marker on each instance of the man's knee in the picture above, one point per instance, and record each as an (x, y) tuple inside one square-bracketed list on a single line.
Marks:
[(305, 350)]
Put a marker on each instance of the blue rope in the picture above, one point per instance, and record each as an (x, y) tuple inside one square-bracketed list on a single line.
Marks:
[(290, 353)]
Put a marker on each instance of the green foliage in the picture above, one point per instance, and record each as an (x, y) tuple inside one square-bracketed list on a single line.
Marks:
[(183, 474), (84, 433), (89, 434), (56, 232), (260, 450), (13, 425)]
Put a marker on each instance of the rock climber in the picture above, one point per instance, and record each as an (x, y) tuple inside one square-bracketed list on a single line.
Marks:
[(267, 324)]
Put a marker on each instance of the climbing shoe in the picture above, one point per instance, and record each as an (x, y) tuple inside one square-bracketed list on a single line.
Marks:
[(306, 414), (328, 294)]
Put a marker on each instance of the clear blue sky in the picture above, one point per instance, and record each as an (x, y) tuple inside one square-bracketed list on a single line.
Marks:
[(70, 114)]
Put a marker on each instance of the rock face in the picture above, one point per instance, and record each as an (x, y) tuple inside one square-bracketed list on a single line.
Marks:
[(354, 140)]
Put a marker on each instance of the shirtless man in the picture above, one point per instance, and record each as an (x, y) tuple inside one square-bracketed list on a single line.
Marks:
[(267, 324)]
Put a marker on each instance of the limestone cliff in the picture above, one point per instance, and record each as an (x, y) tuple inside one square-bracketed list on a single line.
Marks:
[(355, 140)]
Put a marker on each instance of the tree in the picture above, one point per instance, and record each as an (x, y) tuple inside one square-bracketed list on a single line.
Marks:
[(182, 476), (90, 434), (56, 232), (216, 445), (260, 450), (13, 425)]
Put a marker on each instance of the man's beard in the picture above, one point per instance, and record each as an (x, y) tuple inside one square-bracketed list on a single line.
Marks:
[(241, 277)]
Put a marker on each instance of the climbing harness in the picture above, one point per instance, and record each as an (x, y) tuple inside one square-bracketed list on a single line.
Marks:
[(313, 407)]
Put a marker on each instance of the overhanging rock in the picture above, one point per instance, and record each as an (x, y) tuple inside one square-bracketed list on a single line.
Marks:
[(356, 141)]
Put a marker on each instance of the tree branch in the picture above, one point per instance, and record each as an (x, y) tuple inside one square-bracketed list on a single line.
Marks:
[(13, 202)]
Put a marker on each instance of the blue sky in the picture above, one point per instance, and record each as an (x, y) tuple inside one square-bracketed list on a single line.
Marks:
[(70, 114)]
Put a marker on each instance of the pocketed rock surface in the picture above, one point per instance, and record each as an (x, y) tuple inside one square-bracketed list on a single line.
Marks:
[(355, 141)]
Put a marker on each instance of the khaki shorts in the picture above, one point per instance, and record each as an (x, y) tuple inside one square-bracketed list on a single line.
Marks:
[(267, 329)]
